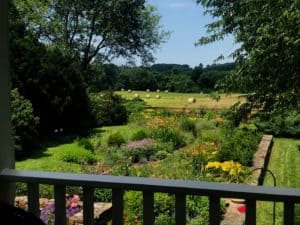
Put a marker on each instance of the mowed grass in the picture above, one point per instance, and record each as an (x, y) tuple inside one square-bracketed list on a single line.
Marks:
[(180, 100), (48, 159), (284, 163)]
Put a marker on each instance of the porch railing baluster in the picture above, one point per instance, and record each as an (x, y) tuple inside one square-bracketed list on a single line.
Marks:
[(88, 205), (33, 198), (148, 208), (214, 210), (180, 209), (250, 212), (289, 213), (117, 206), (60, 204)]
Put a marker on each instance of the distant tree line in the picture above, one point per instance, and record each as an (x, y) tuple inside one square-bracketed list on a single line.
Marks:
[(171, 77)]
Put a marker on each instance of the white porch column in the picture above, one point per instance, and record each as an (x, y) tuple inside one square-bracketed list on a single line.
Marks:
[(7, 191)]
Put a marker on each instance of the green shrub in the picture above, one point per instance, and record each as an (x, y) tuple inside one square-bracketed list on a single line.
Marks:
[(135, 105), (188, 125), (107, 109), (159, 155), (284, 124), (77, 155), (239, 145), (204, 124), (163, 204), (167, 134), (46, 191), (24, 124), (86, 143), (163, 219), (209, 115), (103, 195), (139, 135), (21, 189), (115, 139)]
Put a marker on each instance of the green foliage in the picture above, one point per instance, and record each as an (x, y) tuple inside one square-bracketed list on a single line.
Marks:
[(135, 105), (285, 124), (105, 30), (115, 139), (86, 143), (239, 145), (139, 135), (48, 76), (77, 155), (167, 134), (24, 123), (164, 219), (107, 109), (269, 49), (103, 195), (188, 125), (163, 204), (237, 113)]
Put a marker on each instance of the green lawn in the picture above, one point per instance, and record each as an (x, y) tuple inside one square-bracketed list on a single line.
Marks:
[(284, 163), (47, 158)]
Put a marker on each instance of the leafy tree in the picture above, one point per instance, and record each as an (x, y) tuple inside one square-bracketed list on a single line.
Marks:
[(24, 122), (49, 77), (91, 28), (136, 78), (107, 109), (269, 54), (181, 83)]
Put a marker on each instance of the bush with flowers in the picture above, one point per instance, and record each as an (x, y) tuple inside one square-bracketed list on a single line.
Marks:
[(228, 170), (73, 206)]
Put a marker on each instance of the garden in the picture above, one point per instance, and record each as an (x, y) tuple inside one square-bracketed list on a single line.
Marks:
[(199, 144)]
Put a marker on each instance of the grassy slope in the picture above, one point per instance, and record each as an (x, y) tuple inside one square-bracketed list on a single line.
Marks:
[(181, 99), (47, 159), (284, 163)]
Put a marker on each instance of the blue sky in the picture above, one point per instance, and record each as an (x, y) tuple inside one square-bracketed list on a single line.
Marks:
[(185, 20)]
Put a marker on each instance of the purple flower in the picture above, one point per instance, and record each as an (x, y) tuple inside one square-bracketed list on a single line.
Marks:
[(140, 144), (47, 213)]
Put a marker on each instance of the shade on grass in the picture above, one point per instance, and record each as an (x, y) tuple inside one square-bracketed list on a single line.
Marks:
[(284, 163)]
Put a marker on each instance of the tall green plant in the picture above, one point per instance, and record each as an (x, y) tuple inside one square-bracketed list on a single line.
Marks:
[(25, 123)]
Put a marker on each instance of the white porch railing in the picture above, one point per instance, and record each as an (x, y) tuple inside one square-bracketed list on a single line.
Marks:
[(119, 184)]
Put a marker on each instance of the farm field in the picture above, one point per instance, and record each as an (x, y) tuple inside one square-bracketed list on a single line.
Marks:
[(180, 100)]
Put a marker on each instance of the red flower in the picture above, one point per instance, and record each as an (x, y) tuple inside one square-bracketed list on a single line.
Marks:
[(242, 209)]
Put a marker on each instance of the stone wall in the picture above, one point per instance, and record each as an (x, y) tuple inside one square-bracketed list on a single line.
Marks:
[(261, 160)]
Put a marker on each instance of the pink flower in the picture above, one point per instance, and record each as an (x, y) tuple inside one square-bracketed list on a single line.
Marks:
[(75, 199), (73, 205)]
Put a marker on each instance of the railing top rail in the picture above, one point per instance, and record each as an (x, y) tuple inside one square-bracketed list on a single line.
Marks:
[(155, 185)]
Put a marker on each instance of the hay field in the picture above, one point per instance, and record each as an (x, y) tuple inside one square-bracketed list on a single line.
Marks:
[(180, 100)]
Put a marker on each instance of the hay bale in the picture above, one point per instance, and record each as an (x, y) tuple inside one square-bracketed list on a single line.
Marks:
[(191, 100)]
